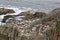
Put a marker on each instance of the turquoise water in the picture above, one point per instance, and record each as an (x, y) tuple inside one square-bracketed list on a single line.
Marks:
[(35, 5)]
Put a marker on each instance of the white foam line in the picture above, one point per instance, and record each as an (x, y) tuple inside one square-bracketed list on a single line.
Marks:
[(17, 11)]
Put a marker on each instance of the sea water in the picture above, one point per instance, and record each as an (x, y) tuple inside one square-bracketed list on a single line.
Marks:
[(32, 5)]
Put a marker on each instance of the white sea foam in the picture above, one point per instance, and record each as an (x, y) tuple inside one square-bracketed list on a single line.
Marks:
[(19, 17), (17, 11), (1, 17)]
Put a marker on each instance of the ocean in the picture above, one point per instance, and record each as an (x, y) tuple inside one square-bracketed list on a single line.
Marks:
[(32, 5)]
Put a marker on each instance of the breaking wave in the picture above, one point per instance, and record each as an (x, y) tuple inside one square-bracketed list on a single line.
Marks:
[(17, 11)]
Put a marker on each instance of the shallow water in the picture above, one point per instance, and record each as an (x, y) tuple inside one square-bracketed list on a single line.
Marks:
[(35, 5)]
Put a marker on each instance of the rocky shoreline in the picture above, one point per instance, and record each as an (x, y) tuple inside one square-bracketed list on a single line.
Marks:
[(37, 26)]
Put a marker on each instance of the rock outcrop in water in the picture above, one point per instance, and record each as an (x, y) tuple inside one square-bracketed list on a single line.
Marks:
[(4, 11), (7, 17), (7, 13), (28, 15)]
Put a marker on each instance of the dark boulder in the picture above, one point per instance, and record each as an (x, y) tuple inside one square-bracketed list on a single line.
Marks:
[(39, 14), (55, 14), (25, 13), (55, 11), (7, 17), (5, 11)]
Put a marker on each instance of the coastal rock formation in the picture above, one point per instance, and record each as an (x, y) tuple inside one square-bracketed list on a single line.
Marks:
[(25, 13), (7, 17), (55, 11), (29, 15), (55, 14), (35, 29), (4, 11), (39, 14)]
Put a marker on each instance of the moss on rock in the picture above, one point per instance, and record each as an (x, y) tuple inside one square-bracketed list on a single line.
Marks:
[(24, 13)]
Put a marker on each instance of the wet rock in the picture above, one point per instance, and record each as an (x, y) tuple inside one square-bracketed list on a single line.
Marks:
[(25, 13), (39, 14), (55, 11), (5, 11), (7, 17), (28, 15)]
